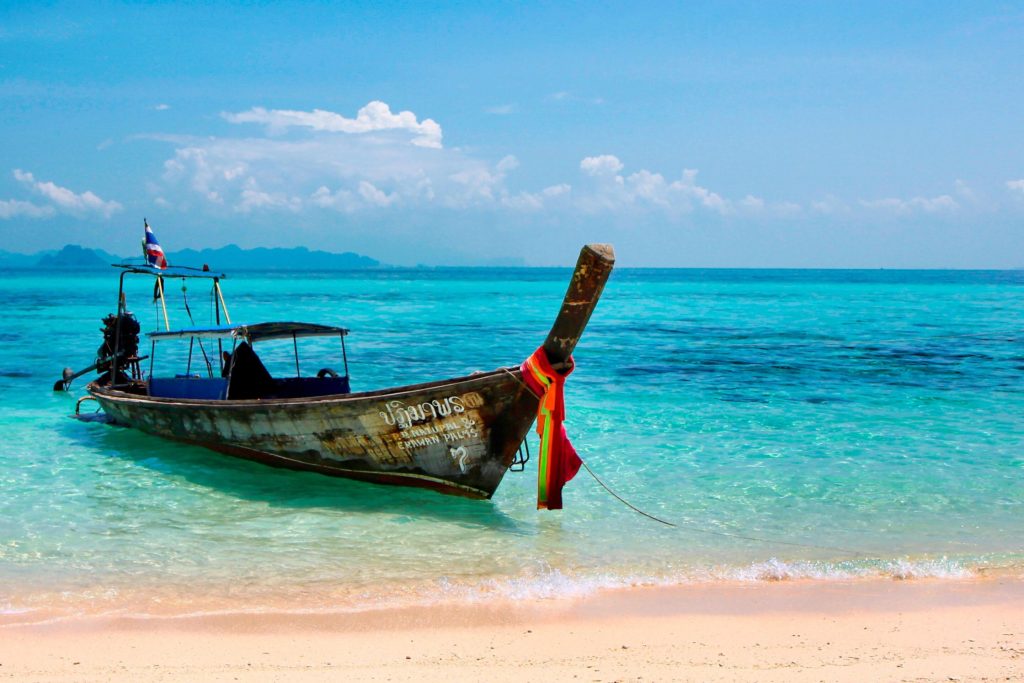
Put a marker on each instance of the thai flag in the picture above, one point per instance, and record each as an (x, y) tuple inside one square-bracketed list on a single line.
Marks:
[(154, 253)]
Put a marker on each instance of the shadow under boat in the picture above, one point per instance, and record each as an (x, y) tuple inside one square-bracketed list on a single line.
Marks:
[(282, 488)]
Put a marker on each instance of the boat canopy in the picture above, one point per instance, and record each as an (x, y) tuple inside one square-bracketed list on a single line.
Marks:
[(169, 271), (253, 333)]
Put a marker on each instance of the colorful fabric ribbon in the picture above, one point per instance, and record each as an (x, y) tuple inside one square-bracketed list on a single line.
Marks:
[(558, 462)]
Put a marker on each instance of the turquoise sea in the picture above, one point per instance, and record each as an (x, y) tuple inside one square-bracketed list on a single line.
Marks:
[(829, 425)]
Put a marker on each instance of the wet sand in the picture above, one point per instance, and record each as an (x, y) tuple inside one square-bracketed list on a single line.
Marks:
[(879, 630)]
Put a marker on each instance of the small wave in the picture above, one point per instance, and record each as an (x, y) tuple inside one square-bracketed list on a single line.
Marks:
[(548, 584), (899, 569), (930, 569), (539, 584)]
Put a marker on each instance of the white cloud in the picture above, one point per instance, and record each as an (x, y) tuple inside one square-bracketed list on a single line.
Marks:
[(786, 208), (252, 197), (524, 201), (162, 107), (374, 196), (326, 173), (13, 208), (964, 191), (610, 191), (383, 161), (752, 203), (501, 109), (830, 205), (507, 163), (475, 183), (342, 170), (941, 203), (557, 190), (67, 200), (375, 116), (535, 201), (756, 206), (339, 200), (192, 162), (604, 164), (703, 196)]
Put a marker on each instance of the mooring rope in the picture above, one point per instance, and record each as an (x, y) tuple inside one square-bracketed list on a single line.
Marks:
[(620, 498), (694, 527), (727, 534)]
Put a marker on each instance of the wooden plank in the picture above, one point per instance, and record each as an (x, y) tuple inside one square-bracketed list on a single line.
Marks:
[(588, 279)]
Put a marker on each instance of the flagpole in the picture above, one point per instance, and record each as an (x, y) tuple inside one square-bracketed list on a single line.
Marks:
[(223, 305), (163, 301)]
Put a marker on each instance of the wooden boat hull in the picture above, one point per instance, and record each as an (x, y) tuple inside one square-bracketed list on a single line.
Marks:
[(456, 436)]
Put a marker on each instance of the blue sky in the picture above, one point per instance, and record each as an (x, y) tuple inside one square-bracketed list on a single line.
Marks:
[(687, 134)]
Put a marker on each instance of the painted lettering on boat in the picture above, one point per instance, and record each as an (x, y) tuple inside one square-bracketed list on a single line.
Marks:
[(448, 431), (461, 456), (398, 413)]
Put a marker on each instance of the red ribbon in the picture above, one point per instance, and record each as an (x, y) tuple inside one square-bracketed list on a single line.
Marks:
[(558, 462)]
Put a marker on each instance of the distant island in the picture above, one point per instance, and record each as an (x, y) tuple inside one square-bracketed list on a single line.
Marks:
[(230, 257)]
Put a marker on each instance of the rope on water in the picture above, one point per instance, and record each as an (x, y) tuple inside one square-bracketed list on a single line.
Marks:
[(694, 527), (620, 498), (727, 534)]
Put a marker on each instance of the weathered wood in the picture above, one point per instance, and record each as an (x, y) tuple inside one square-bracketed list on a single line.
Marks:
[(588, 279), (457, 436)]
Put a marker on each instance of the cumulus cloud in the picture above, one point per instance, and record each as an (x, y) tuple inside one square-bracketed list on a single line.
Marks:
[(335, 171), (68, 200), (366, 195), (604, 164), (375, 196), (252, 197), (385, 161), (375, 116), (14, 208), (612, 191)]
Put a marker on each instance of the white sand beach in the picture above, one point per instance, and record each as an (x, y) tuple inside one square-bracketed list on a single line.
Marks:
[(860, 631)]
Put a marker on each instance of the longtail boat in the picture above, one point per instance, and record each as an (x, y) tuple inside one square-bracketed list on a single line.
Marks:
[(456, 436)]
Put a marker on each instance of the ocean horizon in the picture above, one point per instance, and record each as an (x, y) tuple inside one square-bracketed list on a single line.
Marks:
[(825, 424)]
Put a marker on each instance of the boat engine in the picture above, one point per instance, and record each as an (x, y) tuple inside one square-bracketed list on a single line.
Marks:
[(127, 346)]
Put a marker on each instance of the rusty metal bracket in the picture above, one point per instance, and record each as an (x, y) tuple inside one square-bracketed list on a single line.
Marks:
[(78, 405), (519, 462)]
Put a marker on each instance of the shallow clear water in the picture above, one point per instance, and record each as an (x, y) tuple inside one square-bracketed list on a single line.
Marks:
[(827, 424)]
